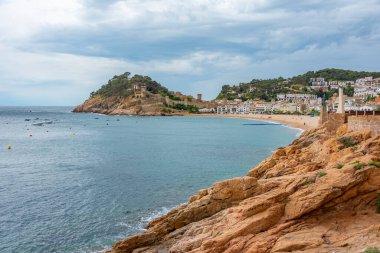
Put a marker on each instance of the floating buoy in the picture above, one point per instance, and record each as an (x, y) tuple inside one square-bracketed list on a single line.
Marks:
[(73, 133), (9, 146)]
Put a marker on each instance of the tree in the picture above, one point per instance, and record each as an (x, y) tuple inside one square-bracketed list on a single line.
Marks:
[(122, 86), (349, 91), (370, 98)]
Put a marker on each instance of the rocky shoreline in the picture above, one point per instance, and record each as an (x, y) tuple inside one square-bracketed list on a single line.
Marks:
[(319, 194), (123, 106)]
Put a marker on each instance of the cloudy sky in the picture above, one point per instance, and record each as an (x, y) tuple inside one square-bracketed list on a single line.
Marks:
[(55, 52)]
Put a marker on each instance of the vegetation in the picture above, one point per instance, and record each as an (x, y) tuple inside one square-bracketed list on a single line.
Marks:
[(358, 165), (313, 111), (285, 112), (372, 250), (117, 86), (189, 108), (267, 89), (339, 166), (174, 97), (307, 181), (255, 89), (334, 75), (122, 86), (377, 164), (378, 205), (370, 98), (347, 142), (322, 174), (349, 90), (166, 110)]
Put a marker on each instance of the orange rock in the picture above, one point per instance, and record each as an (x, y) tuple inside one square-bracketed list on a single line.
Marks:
[(294, 201)]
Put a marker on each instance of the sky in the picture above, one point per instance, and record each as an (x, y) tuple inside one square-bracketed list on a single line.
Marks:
[(55, 52)]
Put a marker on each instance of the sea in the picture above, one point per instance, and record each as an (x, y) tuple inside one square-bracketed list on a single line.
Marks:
[(78, 182)]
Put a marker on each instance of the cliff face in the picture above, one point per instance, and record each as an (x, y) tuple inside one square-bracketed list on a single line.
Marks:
[(318, 194), (152, 105)]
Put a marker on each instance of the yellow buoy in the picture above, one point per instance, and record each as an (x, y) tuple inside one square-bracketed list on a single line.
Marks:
[(9, 146)]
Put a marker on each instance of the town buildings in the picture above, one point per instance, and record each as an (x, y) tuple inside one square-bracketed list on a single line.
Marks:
[(365, 91), (366, 97), (237, 106)]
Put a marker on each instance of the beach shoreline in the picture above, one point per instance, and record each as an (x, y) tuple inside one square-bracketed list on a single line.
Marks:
[(304, 122)]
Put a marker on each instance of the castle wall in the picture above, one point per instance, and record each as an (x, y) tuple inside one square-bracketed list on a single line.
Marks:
[(335, 121), (203, 104), (359, 123), (324, 116)]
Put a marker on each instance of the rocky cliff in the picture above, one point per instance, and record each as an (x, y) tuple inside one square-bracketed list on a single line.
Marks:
[(152, 105), (319, 194)]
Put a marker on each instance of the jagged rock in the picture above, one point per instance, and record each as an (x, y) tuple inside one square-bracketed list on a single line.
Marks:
[(153, 105), (285, 204)]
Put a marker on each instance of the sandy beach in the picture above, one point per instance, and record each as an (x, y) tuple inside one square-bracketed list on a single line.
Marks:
[(304, 122)]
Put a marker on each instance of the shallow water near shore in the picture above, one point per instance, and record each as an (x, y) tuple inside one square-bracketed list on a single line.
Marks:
[(79, 182)]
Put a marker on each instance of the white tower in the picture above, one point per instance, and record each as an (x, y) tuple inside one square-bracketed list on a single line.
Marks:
[(340, 101)]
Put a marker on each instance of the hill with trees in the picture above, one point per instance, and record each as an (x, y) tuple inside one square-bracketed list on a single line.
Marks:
[(267, 89), (122, 86), (118, 96)]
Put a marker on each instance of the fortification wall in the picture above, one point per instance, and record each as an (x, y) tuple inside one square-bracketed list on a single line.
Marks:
[(335, 120), (359, 123), (199, 104)]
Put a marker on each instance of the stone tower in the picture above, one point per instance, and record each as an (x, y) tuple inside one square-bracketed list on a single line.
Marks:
[(340, 101), (167, 100), (324, 116), (199, 97)]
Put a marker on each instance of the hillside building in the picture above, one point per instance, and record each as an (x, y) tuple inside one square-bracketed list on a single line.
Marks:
[(139, 90)]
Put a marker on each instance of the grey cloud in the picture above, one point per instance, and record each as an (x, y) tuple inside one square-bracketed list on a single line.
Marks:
[(189, 45)]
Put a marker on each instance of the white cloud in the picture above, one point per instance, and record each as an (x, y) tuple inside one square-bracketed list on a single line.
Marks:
[(43, 42), (54, 77), (22, 19)]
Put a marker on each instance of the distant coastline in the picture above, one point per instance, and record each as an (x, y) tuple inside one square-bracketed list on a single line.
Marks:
[(303, 122)]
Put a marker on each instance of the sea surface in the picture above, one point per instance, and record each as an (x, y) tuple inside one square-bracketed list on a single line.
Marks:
[(79, 182)]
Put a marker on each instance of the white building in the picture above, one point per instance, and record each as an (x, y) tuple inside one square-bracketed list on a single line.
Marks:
[(318, 81), (365, 91), (366, 81), (207, 110), (281, 97), (260, 108), (295, 97)]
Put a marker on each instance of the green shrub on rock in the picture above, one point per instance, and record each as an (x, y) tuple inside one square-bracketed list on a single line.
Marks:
[(358, 165), (372, 250), (307, 181), (378, 205), (376, 164), (348, 142)]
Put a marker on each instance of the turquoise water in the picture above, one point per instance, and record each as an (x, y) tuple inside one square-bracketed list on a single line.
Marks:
[(79, 182)]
